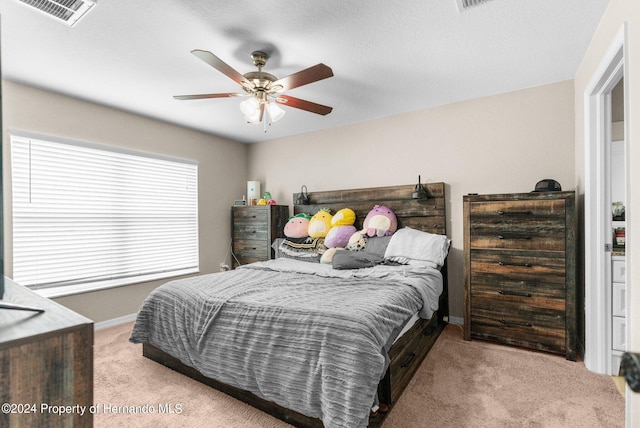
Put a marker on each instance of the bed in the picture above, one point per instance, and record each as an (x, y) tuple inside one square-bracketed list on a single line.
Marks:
[(312, 345)]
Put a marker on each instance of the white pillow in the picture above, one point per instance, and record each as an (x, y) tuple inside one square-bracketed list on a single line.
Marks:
[(412, 246)]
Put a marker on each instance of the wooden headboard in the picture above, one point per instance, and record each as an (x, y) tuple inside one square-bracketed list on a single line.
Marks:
[(427, 214)]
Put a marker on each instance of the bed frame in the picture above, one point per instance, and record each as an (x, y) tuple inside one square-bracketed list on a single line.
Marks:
[(410, 350)]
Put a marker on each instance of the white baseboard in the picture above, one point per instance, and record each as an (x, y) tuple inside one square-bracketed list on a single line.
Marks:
[(456, 320), (114, 322)]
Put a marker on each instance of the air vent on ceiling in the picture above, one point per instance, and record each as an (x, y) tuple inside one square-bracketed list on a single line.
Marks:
[(66, 11), (465, 4)]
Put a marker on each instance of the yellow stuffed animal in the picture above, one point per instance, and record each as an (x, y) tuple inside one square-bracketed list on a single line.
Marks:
[(320, 223)]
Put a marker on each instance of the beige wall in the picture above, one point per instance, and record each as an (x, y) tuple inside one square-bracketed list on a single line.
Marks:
[(498, 144), (222, 172), (618, 12)]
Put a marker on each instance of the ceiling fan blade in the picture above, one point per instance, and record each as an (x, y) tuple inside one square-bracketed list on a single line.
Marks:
[(204, 96), (304, 77), (221, 66), (303, 105)]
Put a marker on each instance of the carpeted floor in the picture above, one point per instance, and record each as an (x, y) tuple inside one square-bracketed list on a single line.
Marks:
[(460, 384)]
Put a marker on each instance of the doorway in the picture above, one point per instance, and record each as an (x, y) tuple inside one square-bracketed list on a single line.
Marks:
[(602, 101)]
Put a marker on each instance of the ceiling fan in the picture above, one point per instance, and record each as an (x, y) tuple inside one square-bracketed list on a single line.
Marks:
[(264, 89)]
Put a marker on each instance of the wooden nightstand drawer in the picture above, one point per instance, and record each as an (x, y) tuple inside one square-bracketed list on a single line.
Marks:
[(250, 215), (253, 231)]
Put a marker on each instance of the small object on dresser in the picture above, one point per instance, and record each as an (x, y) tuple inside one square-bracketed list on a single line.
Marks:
[(253, 192), (239, 203), (547, 185)]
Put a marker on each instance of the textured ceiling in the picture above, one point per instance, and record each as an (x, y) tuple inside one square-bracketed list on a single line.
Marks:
[(387, 57)]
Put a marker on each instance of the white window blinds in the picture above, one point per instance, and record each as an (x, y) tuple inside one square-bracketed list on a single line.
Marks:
[(84, 213)]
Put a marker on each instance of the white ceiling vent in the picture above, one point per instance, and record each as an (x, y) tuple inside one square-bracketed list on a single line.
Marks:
[(465, 4), (66, 11)]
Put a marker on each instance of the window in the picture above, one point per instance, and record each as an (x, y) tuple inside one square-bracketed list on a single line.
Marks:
[(87, 216)]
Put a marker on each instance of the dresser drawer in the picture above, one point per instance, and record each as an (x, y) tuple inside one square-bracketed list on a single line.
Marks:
[(619, 271), (618, 336), (250, 250), (619, 299), (250, 215), (538, 333), (251, 231), (516, 212), (548, 311), (530, 266), (536, 225)]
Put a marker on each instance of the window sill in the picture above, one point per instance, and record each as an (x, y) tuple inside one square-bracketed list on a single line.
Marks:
[(89, 287)]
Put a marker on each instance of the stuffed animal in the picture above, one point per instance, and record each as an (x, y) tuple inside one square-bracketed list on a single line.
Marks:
[(327, 256), (357, 242), (341, 228), (339, 236), (297, 226), (381, 221), (320, 223), (344, 217)]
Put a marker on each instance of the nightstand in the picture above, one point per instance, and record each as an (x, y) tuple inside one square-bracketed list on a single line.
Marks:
[(253, 230)]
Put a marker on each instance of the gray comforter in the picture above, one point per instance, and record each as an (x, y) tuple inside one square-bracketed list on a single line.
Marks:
[(302, 335)]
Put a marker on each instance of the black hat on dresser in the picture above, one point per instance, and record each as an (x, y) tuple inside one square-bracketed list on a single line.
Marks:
[(547, 185)]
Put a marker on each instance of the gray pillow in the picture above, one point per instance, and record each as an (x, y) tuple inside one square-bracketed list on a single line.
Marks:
[(377, 245), (355, 260)]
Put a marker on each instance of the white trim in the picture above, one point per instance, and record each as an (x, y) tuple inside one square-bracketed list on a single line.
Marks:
[(456, 320), (98, 146), (597, 131), (114, 322)]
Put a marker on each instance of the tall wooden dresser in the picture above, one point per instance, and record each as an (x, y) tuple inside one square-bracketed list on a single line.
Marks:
[(520, 270), (46, 360), (254, 228)]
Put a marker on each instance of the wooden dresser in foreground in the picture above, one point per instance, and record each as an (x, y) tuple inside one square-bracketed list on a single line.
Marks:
[(46, 360), (253, 229), (520, 270)]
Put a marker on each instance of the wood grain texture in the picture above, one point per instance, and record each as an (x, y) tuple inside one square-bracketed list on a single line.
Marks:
[(45, 359), (423, 214), (253, 230), (519, 270)]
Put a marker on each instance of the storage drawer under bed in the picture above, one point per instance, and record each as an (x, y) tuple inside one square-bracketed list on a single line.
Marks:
[(406, 355)]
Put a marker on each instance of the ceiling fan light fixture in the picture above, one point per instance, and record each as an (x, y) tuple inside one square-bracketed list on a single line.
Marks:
[(250, 107), (275, 112)]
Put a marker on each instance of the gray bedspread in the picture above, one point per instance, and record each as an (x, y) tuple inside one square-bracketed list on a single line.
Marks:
[(302, 335)]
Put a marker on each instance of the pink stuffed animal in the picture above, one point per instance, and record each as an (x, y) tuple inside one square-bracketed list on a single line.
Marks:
[(381, 221), (297, 226)]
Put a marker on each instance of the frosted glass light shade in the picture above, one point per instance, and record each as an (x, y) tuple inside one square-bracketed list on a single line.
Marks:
[(250, 107), (275, 112)]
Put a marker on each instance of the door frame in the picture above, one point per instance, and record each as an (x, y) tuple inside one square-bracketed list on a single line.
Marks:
[(597, 212)]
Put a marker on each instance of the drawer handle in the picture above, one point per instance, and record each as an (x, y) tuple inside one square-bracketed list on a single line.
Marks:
[(410, 358), (514, 293), (516, 323), (514, 212), (514, 236), (515, 264)]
